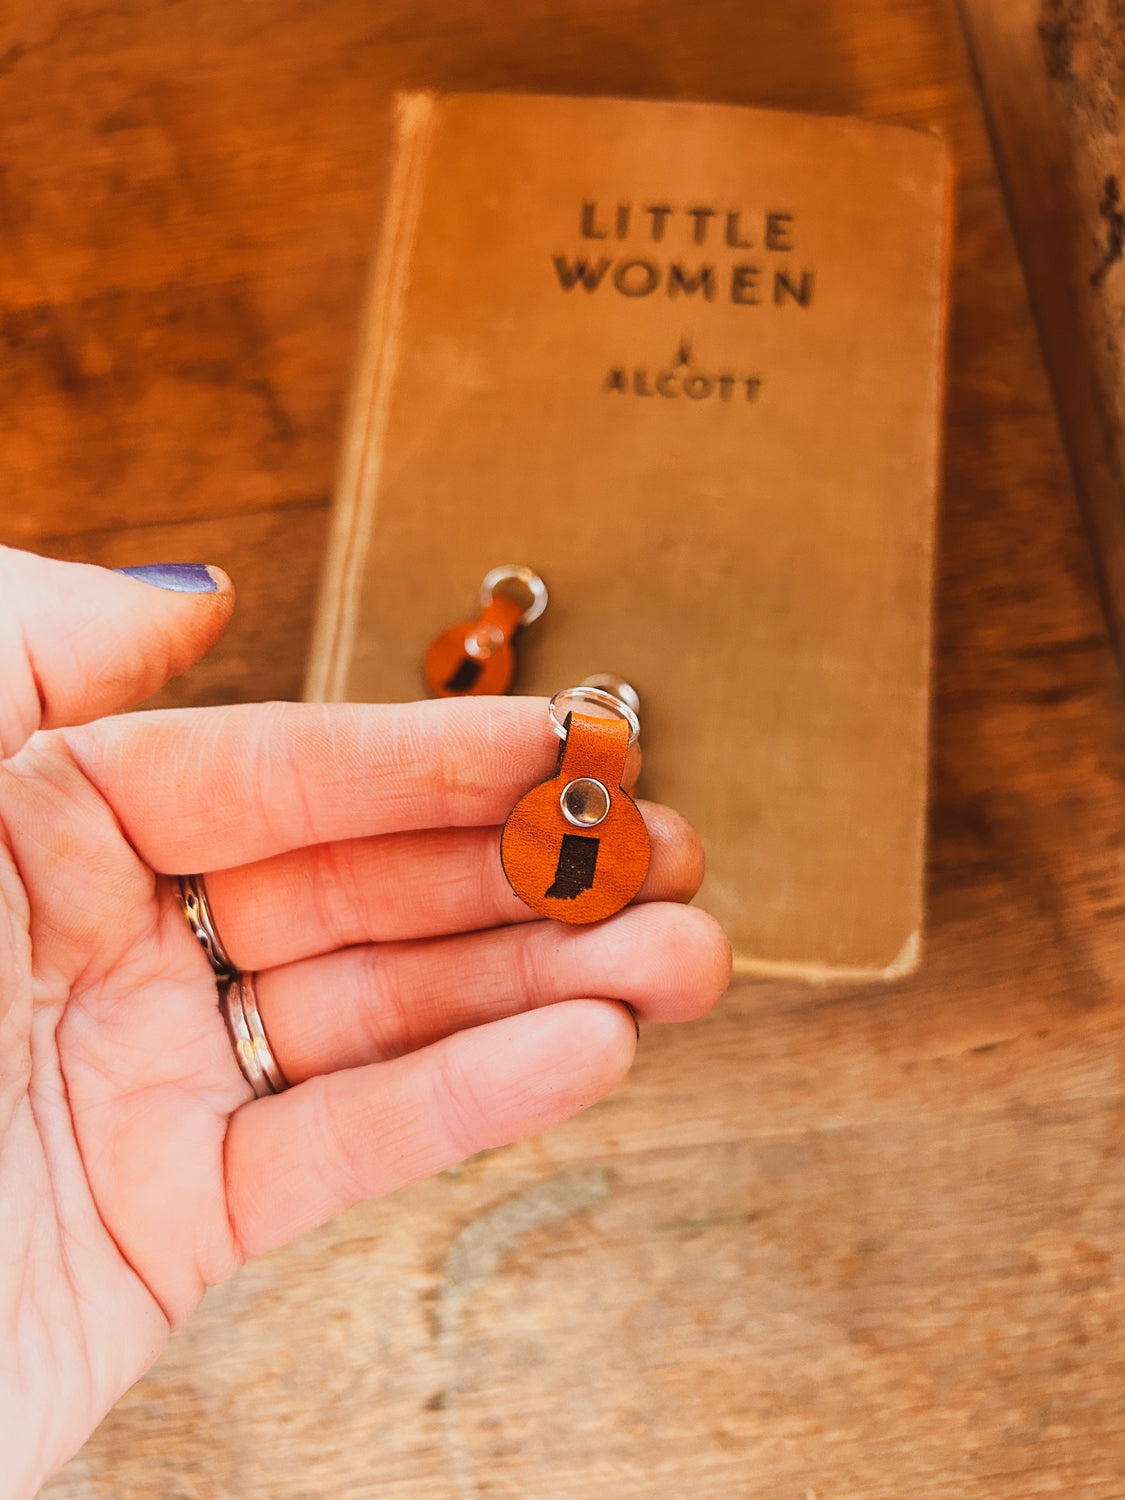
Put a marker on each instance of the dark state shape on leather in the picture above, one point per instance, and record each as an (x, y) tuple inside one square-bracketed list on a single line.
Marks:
[(466, 676), (578, 859)]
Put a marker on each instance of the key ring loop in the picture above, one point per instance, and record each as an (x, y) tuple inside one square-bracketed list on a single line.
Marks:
[(600, 699), (531, 581)]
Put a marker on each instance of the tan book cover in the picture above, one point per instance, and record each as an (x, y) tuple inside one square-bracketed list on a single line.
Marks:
[(684, 360)]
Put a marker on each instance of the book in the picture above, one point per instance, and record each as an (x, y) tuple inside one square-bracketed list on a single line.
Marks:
[(685, 361)]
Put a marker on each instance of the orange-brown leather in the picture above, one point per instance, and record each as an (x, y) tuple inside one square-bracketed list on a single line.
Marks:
[(447, 659), (532, 847)]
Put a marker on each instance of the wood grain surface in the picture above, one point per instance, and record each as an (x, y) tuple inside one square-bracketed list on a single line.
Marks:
[(850, 1242), (1053, 76)]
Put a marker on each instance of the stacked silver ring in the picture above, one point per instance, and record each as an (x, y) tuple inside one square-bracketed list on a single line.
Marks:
[(238, 999), (239, 1005), (192, 896)]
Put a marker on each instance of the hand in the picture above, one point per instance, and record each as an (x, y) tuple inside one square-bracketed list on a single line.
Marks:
[(418, 1010)]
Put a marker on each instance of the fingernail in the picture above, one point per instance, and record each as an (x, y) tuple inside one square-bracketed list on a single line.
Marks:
[(181, 578)]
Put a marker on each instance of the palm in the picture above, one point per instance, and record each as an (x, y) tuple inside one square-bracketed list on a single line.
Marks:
[(112, 1179), (418, 1012)]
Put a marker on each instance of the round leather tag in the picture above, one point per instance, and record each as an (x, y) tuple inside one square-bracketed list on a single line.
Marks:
[(575, 847)]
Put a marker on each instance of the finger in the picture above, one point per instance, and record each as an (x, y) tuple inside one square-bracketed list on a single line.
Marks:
[(297, 1159), (404, 885), (203, 789), (364, 1005), (78, 641)]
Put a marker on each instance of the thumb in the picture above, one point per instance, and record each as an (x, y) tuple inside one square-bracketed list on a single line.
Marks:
[(78, 641)]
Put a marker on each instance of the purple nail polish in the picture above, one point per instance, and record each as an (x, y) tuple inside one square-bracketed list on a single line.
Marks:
[(181, 578)]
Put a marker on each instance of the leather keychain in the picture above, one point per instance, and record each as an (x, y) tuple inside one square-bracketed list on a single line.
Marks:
[(476, 656), (575, 847)]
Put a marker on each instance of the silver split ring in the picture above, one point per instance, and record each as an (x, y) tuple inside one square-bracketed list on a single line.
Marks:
[(515, 573), (596, 698)]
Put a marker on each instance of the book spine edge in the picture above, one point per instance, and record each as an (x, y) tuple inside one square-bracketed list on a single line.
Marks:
[(349, 536)]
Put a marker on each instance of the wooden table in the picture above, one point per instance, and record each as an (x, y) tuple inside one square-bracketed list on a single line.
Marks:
[(848, 1242)]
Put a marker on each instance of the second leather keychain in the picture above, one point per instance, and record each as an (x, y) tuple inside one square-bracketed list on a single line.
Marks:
[(476, 656)]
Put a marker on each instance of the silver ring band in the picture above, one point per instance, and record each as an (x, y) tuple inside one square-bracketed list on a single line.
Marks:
[(238, 998), (238, 1002), (277, 1079), (192, 896)]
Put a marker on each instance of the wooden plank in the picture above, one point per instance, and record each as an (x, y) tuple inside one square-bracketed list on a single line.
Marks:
[(854, 1242), (1052, 76)]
